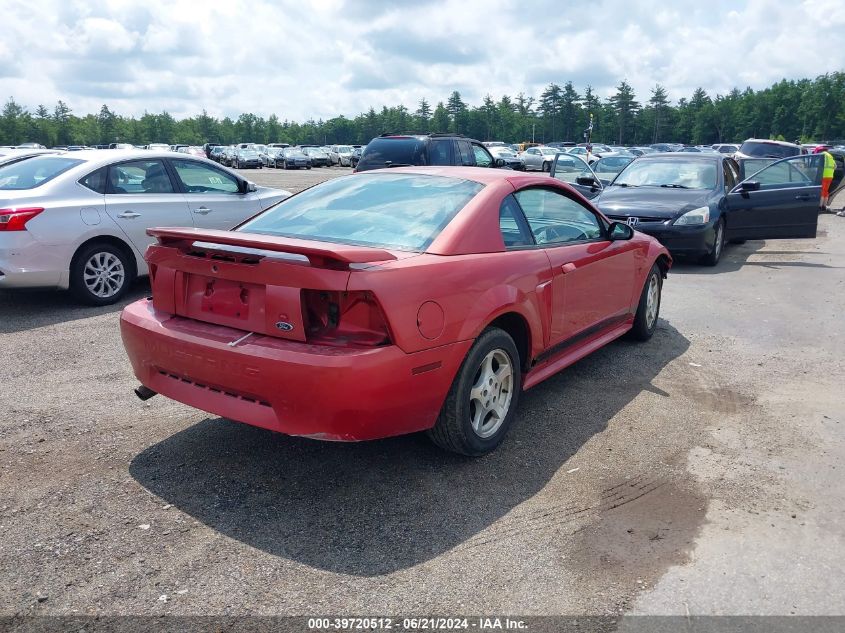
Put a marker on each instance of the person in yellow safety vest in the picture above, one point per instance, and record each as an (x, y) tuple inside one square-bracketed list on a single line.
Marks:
[(827, 178)]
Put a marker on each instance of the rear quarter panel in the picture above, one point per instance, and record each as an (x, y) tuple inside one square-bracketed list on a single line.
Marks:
[(471, 291)]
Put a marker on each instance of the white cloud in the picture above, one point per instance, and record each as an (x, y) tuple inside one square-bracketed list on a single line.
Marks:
[(305, 60)]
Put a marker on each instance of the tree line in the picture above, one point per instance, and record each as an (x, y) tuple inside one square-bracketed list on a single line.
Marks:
[(804, 109)]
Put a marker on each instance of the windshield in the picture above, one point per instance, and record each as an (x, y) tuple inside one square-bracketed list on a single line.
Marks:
[(401, 211), (548, 151), (344, 149), (768, 150), (607, 168), (34, 172), (675, 174), (248, 153), (502, 151)]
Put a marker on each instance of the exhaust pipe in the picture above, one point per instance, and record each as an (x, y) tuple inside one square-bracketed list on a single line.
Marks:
[(145, 393)]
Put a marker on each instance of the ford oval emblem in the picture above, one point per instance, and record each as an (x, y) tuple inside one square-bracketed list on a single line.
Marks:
[(284, 326)]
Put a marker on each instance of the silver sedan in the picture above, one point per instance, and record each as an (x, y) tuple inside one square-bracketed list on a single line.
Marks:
[(79, 220), (540, 158)]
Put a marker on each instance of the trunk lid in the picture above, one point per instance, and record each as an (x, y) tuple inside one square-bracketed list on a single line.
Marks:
[(248, 281)]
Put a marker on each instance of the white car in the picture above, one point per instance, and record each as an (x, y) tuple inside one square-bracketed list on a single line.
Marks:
[(79, 220)]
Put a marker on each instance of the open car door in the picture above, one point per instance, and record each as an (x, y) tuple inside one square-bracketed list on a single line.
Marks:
[(572, 170), (779, 201)]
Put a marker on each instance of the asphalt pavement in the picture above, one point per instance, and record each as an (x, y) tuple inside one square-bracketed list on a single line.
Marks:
[(699, 473)]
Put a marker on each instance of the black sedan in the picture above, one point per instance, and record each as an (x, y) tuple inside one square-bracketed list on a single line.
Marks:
[(694, 203), (245, 158), (292, 158)]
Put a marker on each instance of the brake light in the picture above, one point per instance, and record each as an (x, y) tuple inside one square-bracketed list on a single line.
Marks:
[(344, 318), (16, 219)]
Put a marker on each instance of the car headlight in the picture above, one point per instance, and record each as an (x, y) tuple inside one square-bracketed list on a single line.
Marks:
[(701, 215)]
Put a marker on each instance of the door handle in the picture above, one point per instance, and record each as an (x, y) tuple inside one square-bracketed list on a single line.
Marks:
[(202, 210), (802, 196), (567, 268), (128, 215)]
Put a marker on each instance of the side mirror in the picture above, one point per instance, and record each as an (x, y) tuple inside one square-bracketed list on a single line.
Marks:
[(250, 187), (750, 185), (620, 232), (587, 181), (499, 162)]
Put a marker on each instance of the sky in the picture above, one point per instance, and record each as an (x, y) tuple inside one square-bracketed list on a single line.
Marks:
[(315, 60)]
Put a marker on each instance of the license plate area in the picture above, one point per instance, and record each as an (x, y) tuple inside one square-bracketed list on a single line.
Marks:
[(271, 310)]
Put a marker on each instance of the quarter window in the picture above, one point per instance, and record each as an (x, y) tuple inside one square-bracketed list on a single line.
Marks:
[(515, 232), (199, 178), (95, 181), (557, 219)]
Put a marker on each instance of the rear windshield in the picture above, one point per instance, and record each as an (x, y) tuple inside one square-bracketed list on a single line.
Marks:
[(401, 211), (384, 152), (34, 172), (768, 150)]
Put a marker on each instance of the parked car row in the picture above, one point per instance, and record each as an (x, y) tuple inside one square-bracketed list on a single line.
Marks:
[(283, 155)]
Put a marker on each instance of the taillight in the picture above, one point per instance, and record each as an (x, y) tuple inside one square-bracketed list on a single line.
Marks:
[(344, 318), (16, 219)]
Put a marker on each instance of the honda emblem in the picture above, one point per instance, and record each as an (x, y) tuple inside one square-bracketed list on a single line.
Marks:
[(633, 221)]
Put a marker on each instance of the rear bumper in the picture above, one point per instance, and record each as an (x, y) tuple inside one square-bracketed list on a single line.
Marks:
[(26, 263), (330, 393)]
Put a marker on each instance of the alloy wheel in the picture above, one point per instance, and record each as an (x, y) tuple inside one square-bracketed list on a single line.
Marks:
[(652, 302), (491, 394), (104, 274)]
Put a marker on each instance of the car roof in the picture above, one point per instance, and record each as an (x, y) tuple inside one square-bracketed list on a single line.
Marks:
[(770, 142), (481, 175), (682, 156), (96, 158)]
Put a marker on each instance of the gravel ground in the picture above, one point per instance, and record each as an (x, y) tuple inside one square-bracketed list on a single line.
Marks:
[(699, 472)]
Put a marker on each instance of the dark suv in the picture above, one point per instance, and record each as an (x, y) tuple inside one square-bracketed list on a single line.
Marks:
[(390, 150)]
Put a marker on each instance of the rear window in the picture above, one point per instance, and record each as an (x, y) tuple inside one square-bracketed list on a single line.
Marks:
[(34, 172), (384, 152), (400, 211), (768, 150)]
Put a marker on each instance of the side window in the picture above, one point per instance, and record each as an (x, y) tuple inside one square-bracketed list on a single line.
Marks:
[(569, 168), (467, 157), (139, 176), (730, 180), (515, 231), (95, 181), (797, 171), (439, 152), (482, 156), (557, 219), (199, 178)]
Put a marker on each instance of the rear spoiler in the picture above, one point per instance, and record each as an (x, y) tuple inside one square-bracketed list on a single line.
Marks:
[(343, 253)]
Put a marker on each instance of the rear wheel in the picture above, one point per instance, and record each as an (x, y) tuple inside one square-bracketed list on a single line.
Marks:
[(482, 401), (712, 258), (101, 274), (648, 309), (547, 166)]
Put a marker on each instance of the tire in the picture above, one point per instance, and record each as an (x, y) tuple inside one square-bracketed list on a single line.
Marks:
[(118, 272), (486, 363), (547, 166), (712, 258), (309, 167), (648, 309)]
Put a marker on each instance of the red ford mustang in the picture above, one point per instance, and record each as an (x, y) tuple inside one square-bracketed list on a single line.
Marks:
[(390, 302)]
